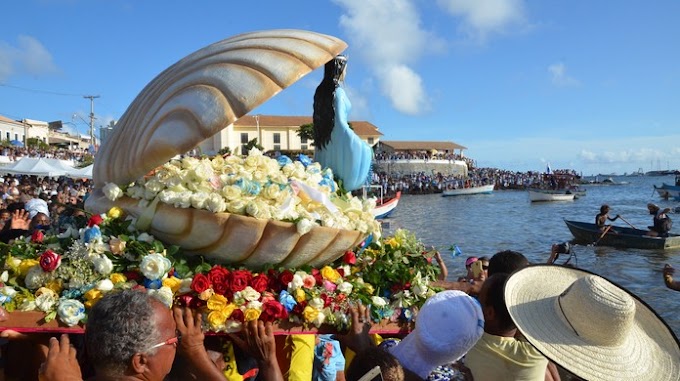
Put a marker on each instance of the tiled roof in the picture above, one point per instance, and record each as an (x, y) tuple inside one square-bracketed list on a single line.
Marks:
[(421, 146), (8, 120), (362, 128)]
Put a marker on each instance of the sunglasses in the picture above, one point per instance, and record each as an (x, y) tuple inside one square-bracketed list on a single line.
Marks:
[(172, 341)]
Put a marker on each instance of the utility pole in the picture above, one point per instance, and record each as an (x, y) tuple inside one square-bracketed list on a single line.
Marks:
[(92, 98)]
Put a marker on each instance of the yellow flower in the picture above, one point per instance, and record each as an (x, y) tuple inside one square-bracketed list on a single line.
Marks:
[(26, 265), (92, 297), (229, 309), (205, 295), (54, 285), (173, 283), (216, 319), (115, 212), (217, 302), (393, 243), (117, 246), (330, 274), (251, 314), (310, 314), (300, 295), (45, 290), (117, 278), (369, 288)]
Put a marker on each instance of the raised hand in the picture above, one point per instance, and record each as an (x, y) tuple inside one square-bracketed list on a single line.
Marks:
[(20, 220), (357, 338), (189, 326)]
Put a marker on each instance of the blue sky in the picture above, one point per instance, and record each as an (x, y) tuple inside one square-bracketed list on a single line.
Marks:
[(591, 86)]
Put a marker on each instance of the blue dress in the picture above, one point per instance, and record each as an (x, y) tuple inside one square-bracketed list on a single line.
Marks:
[(346, 154)]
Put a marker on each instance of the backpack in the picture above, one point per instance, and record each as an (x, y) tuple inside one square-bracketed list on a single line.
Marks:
[(666, 224)]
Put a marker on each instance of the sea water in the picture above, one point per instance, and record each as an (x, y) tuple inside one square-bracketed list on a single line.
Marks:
[(506, 220)]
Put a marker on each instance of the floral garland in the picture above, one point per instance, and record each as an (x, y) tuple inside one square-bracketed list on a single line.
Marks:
[(65, 274), (281, 189)]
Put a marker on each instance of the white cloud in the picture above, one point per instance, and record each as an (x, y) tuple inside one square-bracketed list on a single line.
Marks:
[(388, 35), (484, 17), (29, 56), (559, 76)]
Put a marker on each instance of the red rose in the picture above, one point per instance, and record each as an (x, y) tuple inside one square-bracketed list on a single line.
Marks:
[(350, 258), (219, 277), (286, 277), (184, 300), (273, 310), (96, 219), (200, 283), (341, 271), (327, 300), (298, 308), (237, 315), (240, 279), (38, 236), (133, 275), (260, 283), (49, 260)]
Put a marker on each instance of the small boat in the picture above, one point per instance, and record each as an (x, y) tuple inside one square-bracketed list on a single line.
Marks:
[(384, 208), (667, 191), (480, 189), (538, 195), (621, 237)]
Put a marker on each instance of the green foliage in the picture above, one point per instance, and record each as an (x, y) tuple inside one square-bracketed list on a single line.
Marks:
[(224, 151), (37, 143), (306, 131), (253, 144)]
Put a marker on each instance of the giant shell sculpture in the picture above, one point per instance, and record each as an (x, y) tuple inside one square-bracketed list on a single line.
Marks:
[(191, 101)]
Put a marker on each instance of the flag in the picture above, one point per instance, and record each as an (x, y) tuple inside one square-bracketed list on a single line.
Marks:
[(547, 169)]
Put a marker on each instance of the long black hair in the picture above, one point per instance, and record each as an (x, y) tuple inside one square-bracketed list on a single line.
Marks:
[(324, 114)]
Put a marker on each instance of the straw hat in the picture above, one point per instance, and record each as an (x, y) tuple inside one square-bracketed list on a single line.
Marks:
[(590, 326)]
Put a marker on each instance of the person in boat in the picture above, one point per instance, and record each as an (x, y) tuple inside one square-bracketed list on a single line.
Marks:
[(602, 217), (661, 222), (668, 272)]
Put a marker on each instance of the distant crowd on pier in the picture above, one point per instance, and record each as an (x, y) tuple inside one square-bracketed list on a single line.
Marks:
[(76, 155), (425, 183), (381, 157)]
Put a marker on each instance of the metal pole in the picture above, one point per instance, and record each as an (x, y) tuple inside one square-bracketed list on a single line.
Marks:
[(92, 98)]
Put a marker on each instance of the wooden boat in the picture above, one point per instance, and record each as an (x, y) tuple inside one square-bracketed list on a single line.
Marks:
[(621, 237), (469, 191), (541, 195), (668, 191), (385, 207)]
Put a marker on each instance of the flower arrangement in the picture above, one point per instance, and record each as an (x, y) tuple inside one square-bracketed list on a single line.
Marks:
[(281, 189), (65, 274)]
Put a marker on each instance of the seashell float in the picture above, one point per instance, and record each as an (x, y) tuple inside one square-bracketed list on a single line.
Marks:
[(191, 101)]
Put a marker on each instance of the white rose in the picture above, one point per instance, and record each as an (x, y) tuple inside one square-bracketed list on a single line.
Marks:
[(234, 160), (250, 294), (183, 200), (198, 200), (135, 192), (4, 277), (232, 326), (296, 282), (71, 311), (189, 162), (8, 291), (46, 301), (260, 176), (378, 301), (272, 191), (167, 196), (104, 285), (203, 171), (103, 265), (319, 319), (288, 169), (255, 304), (112, 191), (146, 237), (231, 192), (155, 266), (345, 287), (420, 290), (304, 226), (251, 161), (35, 277), (163, 294), (154, 185), (185, 286), (316, 303), (258, 210), (237, 207), (216, 203)]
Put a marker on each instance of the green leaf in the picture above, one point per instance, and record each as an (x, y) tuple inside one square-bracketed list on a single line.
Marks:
[(49, 317)]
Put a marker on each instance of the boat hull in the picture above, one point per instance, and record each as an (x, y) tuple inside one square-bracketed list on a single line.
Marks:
[(384, 210), (621, 237), (484, 189), (545, 196), (668, 191)]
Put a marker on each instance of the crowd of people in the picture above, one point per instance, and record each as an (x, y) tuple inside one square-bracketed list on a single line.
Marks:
[(76, 155)]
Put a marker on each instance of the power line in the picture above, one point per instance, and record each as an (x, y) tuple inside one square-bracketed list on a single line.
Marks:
[(40, 91)]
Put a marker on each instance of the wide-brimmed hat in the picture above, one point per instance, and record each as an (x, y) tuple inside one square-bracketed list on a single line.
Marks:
[(590, 326), (447, 326)]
